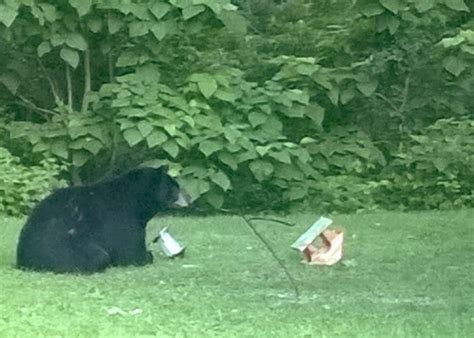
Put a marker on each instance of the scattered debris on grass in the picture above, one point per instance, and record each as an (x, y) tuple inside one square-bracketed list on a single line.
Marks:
[(170, 246), (329, 253), (114, 310)]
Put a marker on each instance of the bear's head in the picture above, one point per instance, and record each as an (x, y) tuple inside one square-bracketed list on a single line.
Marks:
[(156, 190)]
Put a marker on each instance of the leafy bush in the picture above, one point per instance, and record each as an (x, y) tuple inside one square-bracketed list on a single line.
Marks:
[(259, 104), (22, 186), (216, 130), (344, 193), (434, 169)]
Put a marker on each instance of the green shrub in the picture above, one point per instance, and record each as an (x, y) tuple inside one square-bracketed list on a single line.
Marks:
[(21, 187), (343, 193), (434, 169)]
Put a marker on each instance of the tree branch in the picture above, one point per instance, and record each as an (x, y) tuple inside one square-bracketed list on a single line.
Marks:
[(50, 81), (388, 101), (69, 86), (87, 81), (405, 94), (29, 104)]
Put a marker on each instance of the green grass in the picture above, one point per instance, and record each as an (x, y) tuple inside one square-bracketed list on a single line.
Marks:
[(405, 275)]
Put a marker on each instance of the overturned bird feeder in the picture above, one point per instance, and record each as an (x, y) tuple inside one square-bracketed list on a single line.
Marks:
[(329, 252)]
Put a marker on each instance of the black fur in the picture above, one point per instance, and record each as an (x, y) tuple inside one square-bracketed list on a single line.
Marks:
[(86, 229)]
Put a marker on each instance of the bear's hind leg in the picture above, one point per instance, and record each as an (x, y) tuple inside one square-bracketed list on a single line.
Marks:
[(91, 258)]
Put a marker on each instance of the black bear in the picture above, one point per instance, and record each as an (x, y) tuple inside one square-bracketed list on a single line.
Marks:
[(85, 229)]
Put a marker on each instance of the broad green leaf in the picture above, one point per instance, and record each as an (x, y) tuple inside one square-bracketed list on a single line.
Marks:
[(316, 113), (216, 6), (132, 136), (57, 40), (17, 131), (228, 160), (457, 5), (95, 24), (302, 154), (307, 69), (197, 171), (40, 147), (80, 157), (347, 95), (192, 11), (392, 5), (194, 187), (159, 9), (333, 95), (307, 140), (214, 198), (127, 58), (468, 49), (49, 12), (92, 145), (189, 120), (297, 192), (77, 144), (288, 172), (235, 22), (59, 148), (76, 41), (171, 128), (184, 141), (114, 22), (144, 127), (261, 169), (367, 88), (370, 8), (137, 28), (231, 134), (139, 10), (452, 42), (76, 131), (38, 14), (221, 180), (159, 30), (82, 6), (424, 5), (124, 102), (441, 164), (257, 118), (298, 96), (228, 94), (207, 85), (43, 48), (282, 156), (182, 3), (296, 111), (7, 15), (388, 21), (171, 147), (155, 138), (454, 65), (70, 56), (209, 147), (263, 150), (10, 81)]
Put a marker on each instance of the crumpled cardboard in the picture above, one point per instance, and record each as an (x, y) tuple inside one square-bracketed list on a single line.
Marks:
[(329, 252)]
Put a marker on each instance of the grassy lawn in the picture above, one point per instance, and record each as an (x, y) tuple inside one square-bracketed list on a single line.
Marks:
[(405, 274)]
